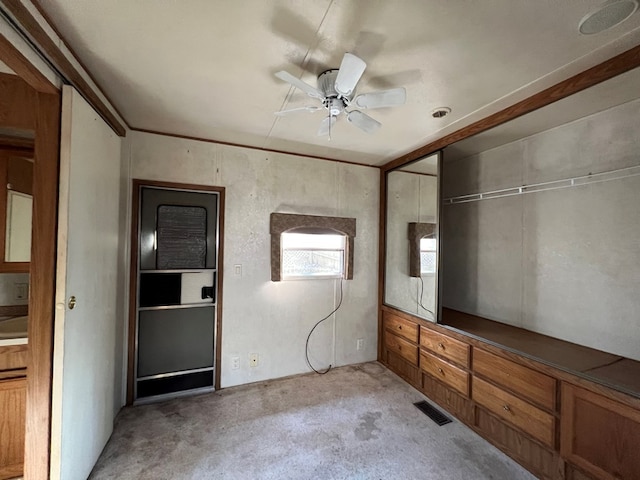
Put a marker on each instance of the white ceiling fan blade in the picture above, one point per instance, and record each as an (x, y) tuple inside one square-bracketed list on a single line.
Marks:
[(351, 69), (363, 122), (325, 126), (383, 98), (296, 82), (308, 108)]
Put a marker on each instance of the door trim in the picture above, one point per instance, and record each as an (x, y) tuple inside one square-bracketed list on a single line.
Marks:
[(133, 273)]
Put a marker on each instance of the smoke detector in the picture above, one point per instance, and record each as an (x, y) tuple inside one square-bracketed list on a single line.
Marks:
[(607, 15)]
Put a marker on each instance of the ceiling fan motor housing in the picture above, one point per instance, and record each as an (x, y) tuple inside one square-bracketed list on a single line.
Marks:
[(333, 101)]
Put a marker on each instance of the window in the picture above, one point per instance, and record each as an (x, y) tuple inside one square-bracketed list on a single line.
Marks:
[(311, 246), (307, 255), (422, 249), (427, 256)]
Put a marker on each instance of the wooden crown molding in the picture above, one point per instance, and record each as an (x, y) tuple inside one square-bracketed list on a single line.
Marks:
[(24, 17)]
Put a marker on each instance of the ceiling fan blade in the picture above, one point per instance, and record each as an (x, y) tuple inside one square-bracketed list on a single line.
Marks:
[(363, 122), (383, 98), (351, 69), (308, 108), (296, 82), (325, 126)]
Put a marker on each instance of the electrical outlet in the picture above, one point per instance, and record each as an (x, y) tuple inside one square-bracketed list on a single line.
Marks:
[(235, 362), (253, 359), (360, 344)]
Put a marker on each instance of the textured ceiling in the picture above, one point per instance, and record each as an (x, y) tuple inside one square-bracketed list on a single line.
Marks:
[(205, 68)]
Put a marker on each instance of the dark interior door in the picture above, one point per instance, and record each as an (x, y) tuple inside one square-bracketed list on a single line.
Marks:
[(178, 259)]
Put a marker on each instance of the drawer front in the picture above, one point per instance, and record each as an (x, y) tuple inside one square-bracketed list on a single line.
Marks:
[(401, 327), (401, 347), (443, 371), (448, 347), (13, 357), (528, 383), (526, 417)]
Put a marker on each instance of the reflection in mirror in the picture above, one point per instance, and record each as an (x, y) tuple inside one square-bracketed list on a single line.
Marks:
[(411, 238), (541, 220), (18, 228), (16, 201)]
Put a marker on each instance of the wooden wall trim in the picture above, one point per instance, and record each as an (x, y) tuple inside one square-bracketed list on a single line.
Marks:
[(66, 68), (133, 273), (23, 68), (42, 281), (615, 66)]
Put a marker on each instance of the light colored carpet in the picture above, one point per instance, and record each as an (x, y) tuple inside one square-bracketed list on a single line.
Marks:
[(356, 422)]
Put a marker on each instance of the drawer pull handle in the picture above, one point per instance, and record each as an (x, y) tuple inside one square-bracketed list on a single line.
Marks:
[(440, 345), (441, 371), (399, 327), (506, 408)]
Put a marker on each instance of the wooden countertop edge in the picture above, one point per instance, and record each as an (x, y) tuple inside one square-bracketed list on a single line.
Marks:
[(631, 399)]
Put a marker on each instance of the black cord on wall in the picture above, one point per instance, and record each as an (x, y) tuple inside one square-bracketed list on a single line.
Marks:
[(306, 348), (420, 299)]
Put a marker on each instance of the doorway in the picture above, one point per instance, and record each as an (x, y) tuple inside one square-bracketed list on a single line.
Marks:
[(174, 330)]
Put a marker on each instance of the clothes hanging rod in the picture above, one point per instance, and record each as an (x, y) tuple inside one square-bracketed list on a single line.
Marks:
[(545, 186)]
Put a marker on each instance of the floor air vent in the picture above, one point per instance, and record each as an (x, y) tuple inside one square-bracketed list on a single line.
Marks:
[(433, 413)]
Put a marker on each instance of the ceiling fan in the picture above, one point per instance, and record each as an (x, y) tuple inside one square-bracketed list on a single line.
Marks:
[(336, 90)]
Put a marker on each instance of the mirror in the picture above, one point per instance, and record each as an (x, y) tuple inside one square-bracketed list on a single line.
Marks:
[(16, 190), (411, 271), (541, 220)]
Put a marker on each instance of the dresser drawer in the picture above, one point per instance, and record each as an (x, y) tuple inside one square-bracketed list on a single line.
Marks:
[(401, 347), (443, 371), (528, 418), (400, 326), (448, 347), (535, 386), (13, 357)]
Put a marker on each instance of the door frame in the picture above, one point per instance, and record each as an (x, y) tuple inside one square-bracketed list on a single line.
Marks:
[(44, 117), (137, 184)]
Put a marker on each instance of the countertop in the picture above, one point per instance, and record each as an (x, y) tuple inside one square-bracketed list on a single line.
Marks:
[(13, 341), (612, 370)]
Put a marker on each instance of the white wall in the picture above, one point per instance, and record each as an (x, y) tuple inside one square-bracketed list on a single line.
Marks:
[(272, 319), (566, 262)]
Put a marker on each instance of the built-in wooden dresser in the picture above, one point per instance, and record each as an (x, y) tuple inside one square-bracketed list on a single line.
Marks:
[(561, 410), (13, 389)]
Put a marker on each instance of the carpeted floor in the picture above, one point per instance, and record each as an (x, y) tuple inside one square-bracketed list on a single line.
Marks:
[(355, 422)]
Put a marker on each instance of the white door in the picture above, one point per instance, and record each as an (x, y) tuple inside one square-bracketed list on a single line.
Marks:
[(87, 265)]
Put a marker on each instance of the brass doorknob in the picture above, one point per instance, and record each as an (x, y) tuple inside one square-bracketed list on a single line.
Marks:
[(72, 302)]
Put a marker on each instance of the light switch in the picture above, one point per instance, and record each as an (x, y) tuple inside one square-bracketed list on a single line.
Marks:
[(238, 270), (21, 291)]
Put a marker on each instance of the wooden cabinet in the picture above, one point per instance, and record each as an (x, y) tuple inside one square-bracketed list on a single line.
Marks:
[(445, 346), (520, 413), (445, 372), (400, 347), (13, 390), (12, 426), (526, 382), (401, 327), (599, 435), (585, 432)]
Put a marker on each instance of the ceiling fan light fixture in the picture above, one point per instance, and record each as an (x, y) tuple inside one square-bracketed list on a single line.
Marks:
[(606, 16), (440, 112)]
